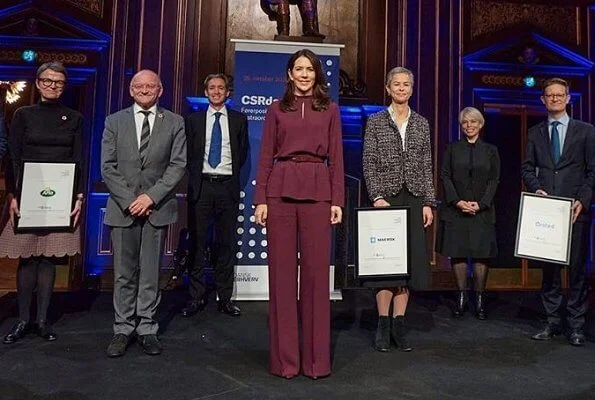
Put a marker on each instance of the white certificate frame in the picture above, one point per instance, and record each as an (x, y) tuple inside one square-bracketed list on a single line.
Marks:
[(382, 242), (46, 196), (544, 228)]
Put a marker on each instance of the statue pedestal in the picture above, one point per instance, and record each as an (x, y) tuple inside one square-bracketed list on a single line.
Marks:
[(302, 39)]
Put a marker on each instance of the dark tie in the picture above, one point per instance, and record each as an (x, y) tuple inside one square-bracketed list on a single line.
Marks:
[(216, 139), (555, 141), (145, 134)]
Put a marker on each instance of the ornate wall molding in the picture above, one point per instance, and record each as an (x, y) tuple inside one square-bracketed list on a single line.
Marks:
[(493, 16), (45, 56), (94, 7)]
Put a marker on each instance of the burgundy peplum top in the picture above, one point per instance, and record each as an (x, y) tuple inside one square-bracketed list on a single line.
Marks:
[(304, 131)]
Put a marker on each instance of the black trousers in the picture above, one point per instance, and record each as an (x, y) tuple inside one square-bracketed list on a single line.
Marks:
[(577, 301), (218, 202)]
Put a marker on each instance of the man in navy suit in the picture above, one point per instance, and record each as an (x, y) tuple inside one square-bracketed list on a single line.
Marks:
[(560, 161), (217, 148)]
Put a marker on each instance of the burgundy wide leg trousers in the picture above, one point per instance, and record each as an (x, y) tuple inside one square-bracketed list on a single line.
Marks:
[(302, 226)]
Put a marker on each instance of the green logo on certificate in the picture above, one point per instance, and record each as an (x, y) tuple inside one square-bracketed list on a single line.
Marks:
[(47, 192)]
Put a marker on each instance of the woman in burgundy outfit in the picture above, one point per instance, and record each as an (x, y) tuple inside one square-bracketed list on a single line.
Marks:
[(299, 195)]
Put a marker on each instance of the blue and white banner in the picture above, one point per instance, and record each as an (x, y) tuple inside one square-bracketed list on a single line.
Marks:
[(259, 79)]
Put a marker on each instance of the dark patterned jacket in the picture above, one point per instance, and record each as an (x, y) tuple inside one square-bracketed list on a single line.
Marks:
[(387, 168)]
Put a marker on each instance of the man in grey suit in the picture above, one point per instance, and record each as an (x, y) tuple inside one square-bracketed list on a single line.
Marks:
[(560, 161), (143, 157)]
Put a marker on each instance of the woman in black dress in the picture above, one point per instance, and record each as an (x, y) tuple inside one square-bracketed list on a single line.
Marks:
[(46, 131), (470, 175)]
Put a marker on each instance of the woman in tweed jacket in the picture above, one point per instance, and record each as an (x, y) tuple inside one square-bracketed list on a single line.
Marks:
[(397, 165)]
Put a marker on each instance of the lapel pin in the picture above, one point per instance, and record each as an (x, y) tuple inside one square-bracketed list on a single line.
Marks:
[(160, 115), (64, 118)]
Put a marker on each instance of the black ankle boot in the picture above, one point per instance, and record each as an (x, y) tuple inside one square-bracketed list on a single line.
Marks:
[(382, 341), (397, 333), (480, 306), (460, 304)]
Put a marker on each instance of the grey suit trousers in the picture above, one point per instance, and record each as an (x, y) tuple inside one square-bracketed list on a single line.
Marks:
[(137, 250)]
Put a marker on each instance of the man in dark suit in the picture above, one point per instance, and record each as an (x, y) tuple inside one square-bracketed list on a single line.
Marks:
[(560, 161), (217, 148), (143, 157)]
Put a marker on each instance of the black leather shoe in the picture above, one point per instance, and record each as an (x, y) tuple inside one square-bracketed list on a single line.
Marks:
[(192, 307), (117, 346), (46, 332), (461, 302), (18, 331), (577, 337), (150, 344), (480, 311), (228, 307), (547, 333)]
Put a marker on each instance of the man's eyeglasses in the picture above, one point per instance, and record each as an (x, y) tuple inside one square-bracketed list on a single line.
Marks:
[(46, 82), (147, 86), (554, 96)]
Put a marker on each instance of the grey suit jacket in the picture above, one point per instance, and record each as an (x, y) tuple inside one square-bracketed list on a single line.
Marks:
[(127, 177)]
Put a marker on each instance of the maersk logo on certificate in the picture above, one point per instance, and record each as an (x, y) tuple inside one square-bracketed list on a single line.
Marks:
[(374, 239)]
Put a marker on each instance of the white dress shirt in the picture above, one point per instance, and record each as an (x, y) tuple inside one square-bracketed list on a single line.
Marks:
[(403, 128), (139, 118), (224, 167)]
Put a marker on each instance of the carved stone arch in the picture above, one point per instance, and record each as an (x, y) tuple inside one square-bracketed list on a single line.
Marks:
[(51, 34)]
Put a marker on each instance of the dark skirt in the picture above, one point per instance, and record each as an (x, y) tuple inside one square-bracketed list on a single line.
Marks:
[(467, 236), (420, 263)]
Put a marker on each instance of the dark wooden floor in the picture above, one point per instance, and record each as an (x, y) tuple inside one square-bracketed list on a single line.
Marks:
[(213, 356)]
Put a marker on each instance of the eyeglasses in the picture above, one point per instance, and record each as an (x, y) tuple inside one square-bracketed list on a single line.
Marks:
[(46, 83), (146, 86), (553, 96)]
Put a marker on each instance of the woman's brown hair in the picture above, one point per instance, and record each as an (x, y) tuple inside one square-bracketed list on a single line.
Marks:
[(320, 97)]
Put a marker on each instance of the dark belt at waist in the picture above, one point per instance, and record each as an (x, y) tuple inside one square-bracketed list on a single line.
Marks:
[(302, 158), (215, 177)]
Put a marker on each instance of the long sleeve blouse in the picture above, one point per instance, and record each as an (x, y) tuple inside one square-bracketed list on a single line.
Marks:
[(47, 131), (304, 131)]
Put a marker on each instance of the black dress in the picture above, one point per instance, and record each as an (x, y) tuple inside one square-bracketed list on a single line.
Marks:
[(470, 172)]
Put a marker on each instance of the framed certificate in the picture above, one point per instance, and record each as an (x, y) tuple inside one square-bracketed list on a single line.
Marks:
[(382, 242), (46, 196), (544, 228)]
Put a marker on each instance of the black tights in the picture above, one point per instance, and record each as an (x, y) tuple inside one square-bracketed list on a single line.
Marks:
[(480, 273), (40, 273)]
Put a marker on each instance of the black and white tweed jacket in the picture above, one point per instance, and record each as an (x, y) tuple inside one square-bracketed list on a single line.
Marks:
[(387, 168)]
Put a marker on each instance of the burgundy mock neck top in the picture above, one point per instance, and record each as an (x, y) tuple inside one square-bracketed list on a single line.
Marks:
[(301, 132)]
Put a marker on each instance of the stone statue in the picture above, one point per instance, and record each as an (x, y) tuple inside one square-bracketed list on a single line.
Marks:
[(278, 10)]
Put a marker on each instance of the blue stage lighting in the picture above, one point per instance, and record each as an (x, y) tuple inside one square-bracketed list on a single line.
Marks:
[(529, 81), (29, 56)]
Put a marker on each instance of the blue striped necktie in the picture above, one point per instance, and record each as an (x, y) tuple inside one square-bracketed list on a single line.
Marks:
[(556, 141), (216, 140)]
